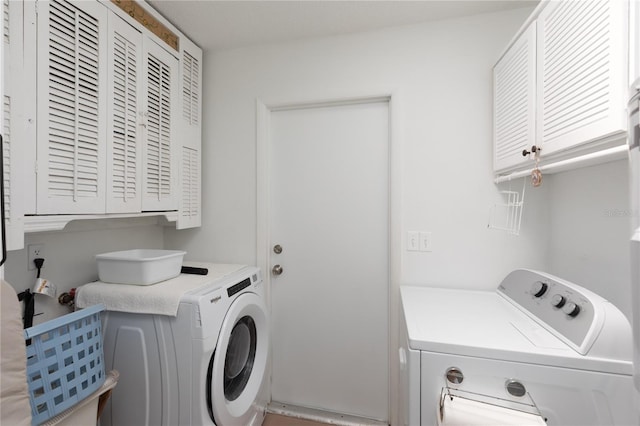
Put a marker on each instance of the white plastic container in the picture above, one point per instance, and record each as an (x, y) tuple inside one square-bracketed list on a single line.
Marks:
[(86, 412), (139, 267)]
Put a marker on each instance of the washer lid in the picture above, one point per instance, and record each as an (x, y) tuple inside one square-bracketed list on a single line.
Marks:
[(484, 324)]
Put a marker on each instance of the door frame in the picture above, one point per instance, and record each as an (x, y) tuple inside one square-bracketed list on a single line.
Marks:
[(263, 237)]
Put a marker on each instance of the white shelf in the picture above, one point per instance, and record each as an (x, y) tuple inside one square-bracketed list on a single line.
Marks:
[(59, 222)]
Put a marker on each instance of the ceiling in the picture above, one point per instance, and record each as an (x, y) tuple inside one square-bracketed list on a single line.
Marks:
[(218, 25)]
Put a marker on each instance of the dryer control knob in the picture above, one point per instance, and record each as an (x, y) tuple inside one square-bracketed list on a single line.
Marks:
[(539, 288), (571, 309), (558, 300)]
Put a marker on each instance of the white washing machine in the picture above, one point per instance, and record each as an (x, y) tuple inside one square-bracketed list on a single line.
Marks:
[(204, 366), (538, 344)]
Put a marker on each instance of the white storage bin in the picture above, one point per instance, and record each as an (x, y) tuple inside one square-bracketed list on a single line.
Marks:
[(87, 412), (139, 267)]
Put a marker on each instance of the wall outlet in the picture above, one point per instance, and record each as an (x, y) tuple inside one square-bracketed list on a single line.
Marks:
[(35, 251)]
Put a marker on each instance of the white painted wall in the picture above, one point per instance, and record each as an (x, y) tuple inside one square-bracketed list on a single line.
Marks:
[(589, 230), (70, 255), (440, 76)]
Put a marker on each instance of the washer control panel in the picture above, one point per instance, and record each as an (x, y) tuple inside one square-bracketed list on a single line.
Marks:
[(565, 309)]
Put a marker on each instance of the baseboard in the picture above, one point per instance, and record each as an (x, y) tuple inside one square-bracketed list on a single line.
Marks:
[(320, 415)]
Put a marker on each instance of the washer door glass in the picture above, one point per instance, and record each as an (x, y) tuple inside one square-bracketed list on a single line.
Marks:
[(241, 354)]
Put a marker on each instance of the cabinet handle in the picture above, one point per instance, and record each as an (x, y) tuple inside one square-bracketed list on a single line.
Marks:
[(534, 149)]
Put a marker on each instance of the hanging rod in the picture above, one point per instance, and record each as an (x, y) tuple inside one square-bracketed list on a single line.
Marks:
[(615, 153)]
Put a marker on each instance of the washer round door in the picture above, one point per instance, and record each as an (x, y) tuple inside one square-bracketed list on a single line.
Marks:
[(239, 363)]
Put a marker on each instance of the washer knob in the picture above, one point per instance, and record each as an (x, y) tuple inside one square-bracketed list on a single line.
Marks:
[(558, 300), (454, 375), (539, 288), (571, 309)]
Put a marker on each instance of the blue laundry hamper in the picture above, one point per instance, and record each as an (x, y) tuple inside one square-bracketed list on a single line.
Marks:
[(65, 362)]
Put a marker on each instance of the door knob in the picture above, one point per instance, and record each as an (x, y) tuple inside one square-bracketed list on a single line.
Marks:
[(277, 249), (276, 270)]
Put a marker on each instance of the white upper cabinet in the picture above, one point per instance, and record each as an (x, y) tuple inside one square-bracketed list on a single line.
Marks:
[(12, 129), (190, 212), (514, 97), (115, 87), (561, 85), (72, 82), (582, 51), (102, 115), (102, 84), (160, 149), (124, 127)]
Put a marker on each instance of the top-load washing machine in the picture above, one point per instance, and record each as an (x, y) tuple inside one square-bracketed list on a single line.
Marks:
[(192, 350), (538, 347)]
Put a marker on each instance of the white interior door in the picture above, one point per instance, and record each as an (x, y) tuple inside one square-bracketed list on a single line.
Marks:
[(329, 211)]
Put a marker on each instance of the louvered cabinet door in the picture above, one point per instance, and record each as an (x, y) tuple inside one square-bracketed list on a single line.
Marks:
[(12, 129), (72, 78), (161, 152), (190, 211), (581, 73), (124, 132), (189, 214), (514, 97)]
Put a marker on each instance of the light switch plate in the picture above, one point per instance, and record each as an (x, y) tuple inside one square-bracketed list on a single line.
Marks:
[(425, 241), (413, 241)]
